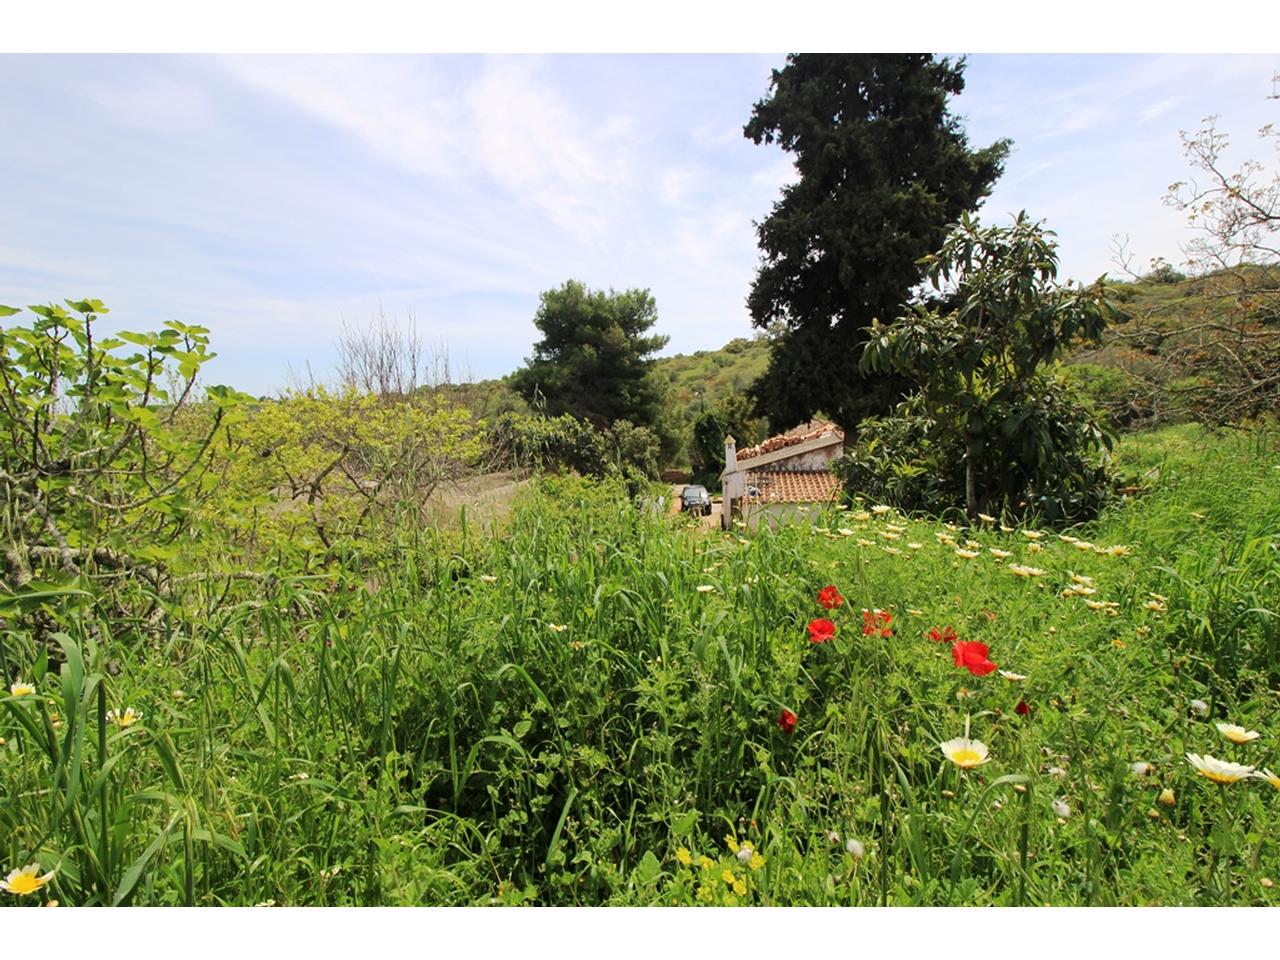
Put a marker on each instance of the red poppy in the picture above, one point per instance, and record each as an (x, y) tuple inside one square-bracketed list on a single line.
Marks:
[(876, 622), (787, 721), (829, 598), (820, 631), (945, 635), (972, 656), (1023, 708)]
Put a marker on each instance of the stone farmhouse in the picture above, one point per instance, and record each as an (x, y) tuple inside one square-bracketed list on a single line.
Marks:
[(780, 479)]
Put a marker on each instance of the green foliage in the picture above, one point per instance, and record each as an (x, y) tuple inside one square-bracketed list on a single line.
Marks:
[(733, 416), (884, 168), (103, 460), (567, 443), (315, 467), (1027, 444), (593, 360), (553, 712)]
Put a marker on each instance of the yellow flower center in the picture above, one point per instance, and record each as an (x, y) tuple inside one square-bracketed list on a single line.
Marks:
[(25, 883), (966, 758), (1217, 777)]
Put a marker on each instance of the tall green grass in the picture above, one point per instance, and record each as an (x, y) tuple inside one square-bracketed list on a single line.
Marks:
[(552, 712)]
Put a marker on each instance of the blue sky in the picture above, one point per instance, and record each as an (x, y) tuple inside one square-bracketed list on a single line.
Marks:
[(270, 198)]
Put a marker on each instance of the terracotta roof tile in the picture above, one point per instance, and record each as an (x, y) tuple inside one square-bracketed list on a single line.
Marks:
[(792, 486), (801, 434)]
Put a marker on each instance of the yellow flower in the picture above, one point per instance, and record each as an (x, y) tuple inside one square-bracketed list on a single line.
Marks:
[(890, 535), (684, 856), (967, 554), (965, 753), (866, 543), (705, 862), (1219, 771), (705, 588), (1000, 554), (1018, 570), (880, 509), (1268, 776), (1166, 797), (727, 876), (1034, 548), (1082, 545), (126, 719), (915, 546), (26, 880), (861, 516), (731, 842), (1118, 551), (986, 519), (558, 627), (1155, 606), (757, 861), (740, 887), (845, 532), (1237, 734), (20, 689)]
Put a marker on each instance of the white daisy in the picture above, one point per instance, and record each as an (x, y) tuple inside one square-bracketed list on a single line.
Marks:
[(1219, 771), (965, 753), (1237, 734)]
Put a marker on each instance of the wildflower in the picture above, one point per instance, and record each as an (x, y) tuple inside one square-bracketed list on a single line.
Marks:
[(1237, 734), (1034, 548), (488, 578), (1056, 772), (845, 532), (1199, 708), (967, 554), (126, 719), (892, 551), (1018, 570), (1095, 605), (973, 545), (787, 721), (1118, 551), (972, 656), (1141, 768), (1219, 771), (854, 849), (748, 855), (829, 598), (1166, 797), (881, 509), (915, 546), (863, 542), (558, 627), (1155, 606), (833, 837), (1012, 677), (820, 631), (1080, 579), (684, 856), (1023, 709), (894, 528), (1032, 534), (1268, 776), (704, 588), (965, 753), (1067, 538), (727, 876), (876, 623), (890, 535), (986, 519), (946, 635), (1082, 545), (1061, 808), (20, 689), (25, 880), (1000, 554), (861, 516)]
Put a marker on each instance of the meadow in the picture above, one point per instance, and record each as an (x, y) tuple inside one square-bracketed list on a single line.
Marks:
[(583, 703)]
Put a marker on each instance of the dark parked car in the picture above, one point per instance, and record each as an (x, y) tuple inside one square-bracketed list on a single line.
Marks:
[(696, 498)]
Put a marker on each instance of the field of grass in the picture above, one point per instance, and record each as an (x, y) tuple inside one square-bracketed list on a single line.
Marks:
[(591, 705)]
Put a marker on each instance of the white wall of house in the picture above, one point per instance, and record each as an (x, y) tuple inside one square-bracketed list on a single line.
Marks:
[(775, 515)]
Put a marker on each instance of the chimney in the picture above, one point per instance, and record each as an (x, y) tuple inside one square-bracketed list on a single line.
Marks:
[(730, 455)]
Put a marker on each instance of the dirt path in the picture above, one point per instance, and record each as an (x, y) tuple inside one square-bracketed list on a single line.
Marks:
[(712, 521)]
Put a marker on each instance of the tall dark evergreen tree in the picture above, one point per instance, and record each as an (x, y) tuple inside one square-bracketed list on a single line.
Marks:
[(592, 361), (884, 169)]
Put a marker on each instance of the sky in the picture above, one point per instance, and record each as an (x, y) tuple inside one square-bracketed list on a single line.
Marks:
[(274, 198)]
